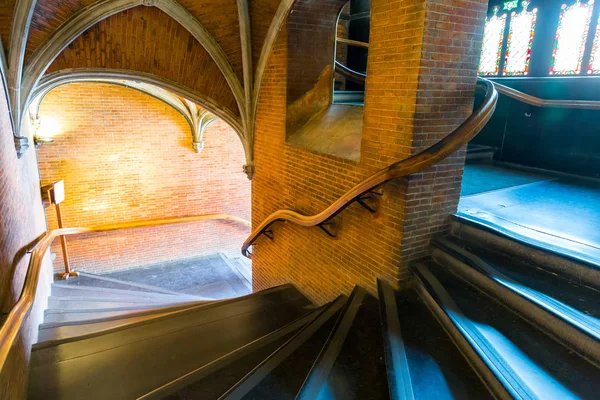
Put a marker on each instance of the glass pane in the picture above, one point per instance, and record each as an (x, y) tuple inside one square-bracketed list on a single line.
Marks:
[(493, 35), (570, 39), (594, 67), (520, 38)]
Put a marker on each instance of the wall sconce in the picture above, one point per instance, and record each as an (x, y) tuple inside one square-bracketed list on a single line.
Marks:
[(45, 130), (40, 140)]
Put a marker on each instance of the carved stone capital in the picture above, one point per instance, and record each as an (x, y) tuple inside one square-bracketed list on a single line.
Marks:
[(249, 170), (21, 145), (198, 146)]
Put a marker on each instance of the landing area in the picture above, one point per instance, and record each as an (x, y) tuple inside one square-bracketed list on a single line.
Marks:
[(555, 212)]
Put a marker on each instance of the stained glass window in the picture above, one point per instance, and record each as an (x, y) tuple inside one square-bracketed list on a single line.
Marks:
[(571, 34), (520, 38), (594, 66), (511, 4), (493, 34)]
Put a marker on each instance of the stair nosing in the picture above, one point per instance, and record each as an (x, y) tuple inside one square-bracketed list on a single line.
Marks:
[(174, 314), (582, 338), (121, 292), (398, 371), (510, 380), (245, 385), (325, 361)]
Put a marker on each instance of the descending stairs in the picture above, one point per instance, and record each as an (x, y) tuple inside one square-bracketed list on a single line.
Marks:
[(480, 321)]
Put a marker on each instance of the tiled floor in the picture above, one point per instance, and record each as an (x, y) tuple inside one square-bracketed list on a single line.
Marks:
[(212, 276), (562, 213)]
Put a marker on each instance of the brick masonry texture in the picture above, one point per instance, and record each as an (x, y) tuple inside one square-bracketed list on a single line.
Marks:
[(419, 88), (125, 156), (311, 29), (219, 18), (145, 39), (449, 59), (22, 222)]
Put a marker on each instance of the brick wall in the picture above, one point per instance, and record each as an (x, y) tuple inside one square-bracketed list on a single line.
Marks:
[(145, 39), (21, 223), (449, 60), (125, 156), (403, 113), (311, 30)]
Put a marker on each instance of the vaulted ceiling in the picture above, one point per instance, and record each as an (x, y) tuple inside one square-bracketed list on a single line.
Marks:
[(211, 52)]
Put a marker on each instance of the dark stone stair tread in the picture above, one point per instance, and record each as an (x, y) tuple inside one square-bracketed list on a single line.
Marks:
[(285, 381), (76, 331), (60, 316), (95, 317), (141, 366), (52, 317), (108, 300), (544, 367), (572, 294), (359, 372), (214, 385), (99, 281), (90, 291), (278, 300), (437, 368), (94, 304)]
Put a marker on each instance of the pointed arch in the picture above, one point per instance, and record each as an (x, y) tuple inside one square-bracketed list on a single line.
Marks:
[(52, 80), (90, 15)]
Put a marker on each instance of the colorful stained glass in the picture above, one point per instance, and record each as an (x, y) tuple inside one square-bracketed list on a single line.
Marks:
[(520, 38), (571, 34), (594, 66), (511, 5), (493, 34)]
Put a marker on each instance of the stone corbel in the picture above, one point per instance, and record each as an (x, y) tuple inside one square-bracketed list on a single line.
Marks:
[(201, 119), (249, 170), (21, 145)]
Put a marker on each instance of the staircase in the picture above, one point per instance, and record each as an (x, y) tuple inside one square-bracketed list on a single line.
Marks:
[(481, 320)]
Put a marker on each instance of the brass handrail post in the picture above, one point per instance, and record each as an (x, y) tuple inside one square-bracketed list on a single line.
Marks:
[(63, 244), (55, 194)]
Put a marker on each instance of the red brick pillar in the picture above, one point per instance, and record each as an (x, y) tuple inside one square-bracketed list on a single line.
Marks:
[(420, 86), (450, 51)]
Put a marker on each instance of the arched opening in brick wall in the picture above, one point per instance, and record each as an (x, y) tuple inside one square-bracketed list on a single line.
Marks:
[(127, 156), (321, 115), (352, 52)]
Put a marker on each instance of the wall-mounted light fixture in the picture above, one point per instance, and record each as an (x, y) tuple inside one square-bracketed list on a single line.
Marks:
[(40, 140), (45, 130)]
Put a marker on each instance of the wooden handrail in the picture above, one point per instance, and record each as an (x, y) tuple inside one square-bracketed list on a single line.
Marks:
[(351, 42), (425, 159), (536, 101), (354, 76), (169, 221), (19, 312)]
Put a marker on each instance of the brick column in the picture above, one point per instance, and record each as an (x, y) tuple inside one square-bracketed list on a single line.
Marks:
[(450, 50), (420, 86)]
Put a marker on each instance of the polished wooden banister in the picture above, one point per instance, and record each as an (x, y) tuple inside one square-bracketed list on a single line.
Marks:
[(19, 312), (351, 42), (536, 101), (354, 76), (17, 315), (169, 221), (427, 158)]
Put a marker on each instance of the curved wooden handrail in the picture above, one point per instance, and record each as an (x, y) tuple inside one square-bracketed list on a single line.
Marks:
[(536, 101), (354, 76), (351, 42), (169, 221), (19, 312), (425, 159)]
